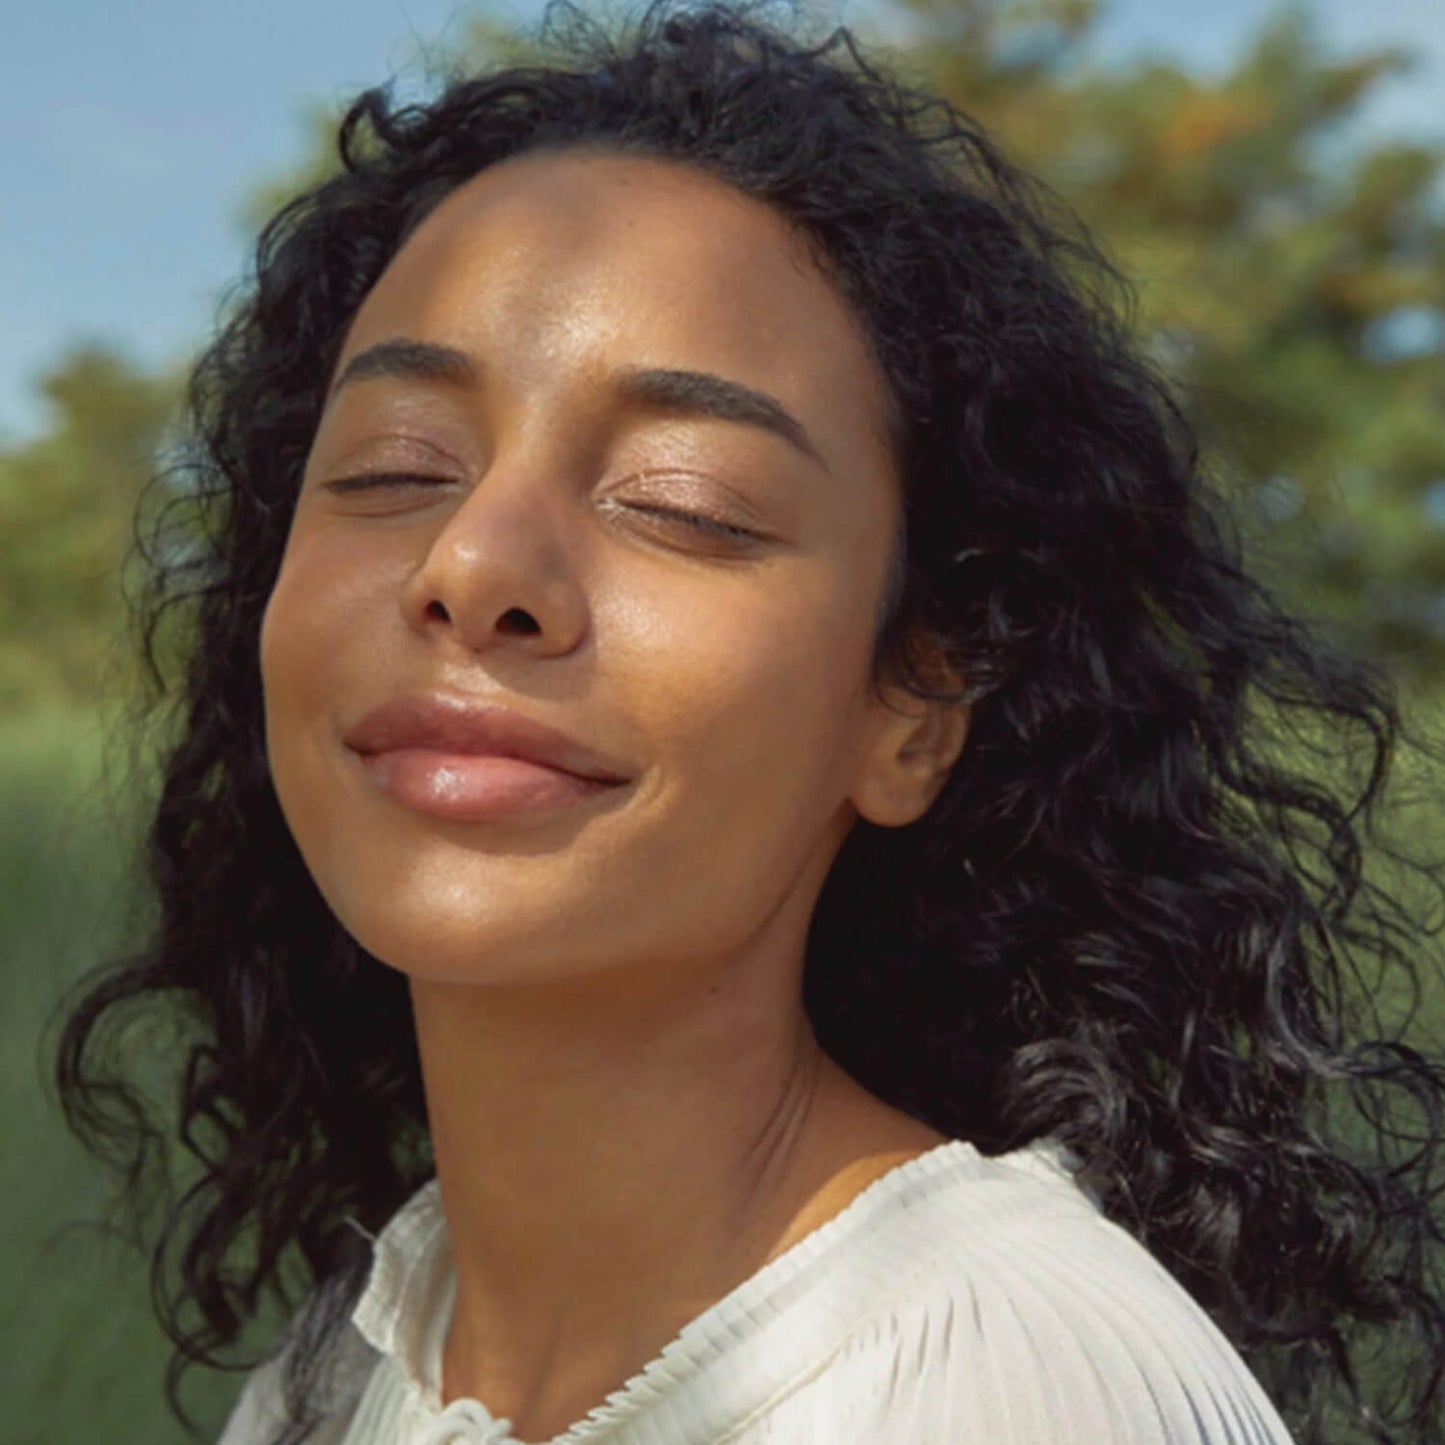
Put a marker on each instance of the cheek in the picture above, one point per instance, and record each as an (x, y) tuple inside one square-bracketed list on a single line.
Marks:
[(809, 646), (751, 692), (319, 625), (294, 633), (324, 613), (288, 677)]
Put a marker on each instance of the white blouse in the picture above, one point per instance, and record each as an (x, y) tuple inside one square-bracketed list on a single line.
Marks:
[(957, 1300)]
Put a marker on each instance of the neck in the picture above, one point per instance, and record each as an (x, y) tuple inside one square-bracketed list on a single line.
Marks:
[(610, 1167)]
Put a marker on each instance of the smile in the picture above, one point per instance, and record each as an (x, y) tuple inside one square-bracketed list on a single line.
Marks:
[(473, 788)]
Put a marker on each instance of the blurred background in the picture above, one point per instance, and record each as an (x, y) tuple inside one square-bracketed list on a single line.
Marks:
[(1272, 179)]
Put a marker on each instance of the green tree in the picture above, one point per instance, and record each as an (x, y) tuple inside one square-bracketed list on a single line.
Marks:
[(66, 502), (1295, 295)]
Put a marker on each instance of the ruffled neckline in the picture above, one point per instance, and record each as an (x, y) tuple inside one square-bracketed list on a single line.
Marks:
[(405, 1309)]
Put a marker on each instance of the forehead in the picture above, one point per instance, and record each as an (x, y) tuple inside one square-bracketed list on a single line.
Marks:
[(564, 264)]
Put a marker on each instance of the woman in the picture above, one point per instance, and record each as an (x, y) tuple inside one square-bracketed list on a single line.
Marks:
[(718, 848)]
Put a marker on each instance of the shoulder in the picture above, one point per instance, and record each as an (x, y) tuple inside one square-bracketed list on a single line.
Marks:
[(1039, 1322)]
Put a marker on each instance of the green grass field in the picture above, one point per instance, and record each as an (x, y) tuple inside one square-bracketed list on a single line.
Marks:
[(84, 1356)]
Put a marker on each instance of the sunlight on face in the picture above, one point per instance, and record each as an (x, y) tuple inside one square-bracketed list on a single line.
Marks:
[(609, 452)]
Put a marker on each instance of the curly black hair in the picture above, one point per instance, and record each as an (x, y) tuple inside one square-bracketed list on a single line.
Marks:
[(1137, 918)]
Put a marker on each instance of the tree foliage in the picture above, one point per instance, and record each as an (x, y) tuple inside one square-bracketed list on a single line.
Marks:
[(1292, 288), (66, 503)]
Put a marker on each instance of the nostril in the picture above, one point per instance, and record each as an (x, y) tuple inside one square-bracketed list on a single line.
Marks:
[(514, 619)]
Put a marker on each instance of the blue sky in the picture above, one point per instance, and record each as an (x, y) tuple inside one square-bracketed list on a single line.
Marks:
[(133, 133)]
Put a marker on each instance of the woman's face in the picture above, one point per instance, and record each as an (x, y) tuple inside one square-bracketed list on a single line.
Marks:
[(533, 550)]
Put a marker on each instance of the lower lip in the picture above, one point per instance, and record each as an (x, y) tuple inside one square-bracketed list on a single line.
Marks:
[(474, 789)]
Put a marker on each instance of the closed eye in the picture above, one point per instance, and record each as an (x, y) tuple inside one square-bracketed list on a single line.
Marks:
[(700, 521), (365, 481), (376, 481)]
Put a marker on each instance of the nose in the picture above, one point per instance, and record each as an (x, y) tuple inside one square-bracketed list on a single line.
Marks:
[(502, 569)]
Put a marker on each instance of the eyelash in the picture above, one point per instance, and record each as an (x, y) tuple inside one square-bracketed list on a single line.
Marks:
[(365, 481), (701, 522)]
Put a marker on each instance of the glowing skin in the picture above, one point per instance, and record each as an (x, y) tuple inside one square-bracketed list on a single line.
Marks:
[(630, 1113)]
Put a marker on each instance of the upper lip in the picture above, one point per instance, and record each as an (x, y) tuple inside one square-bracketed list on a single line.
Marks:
[(448, 723)]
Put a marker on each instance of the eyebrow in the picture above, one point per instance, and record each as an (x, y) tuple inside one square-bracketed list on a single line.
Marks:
[(693, 393)]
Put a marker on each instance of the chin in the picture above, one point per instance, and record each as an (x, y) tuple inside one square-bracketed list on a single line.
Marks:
[(443, 931)]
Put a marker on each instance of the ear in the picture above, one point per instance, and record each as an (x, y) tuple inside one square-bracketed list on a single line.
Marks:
[(909, 745)]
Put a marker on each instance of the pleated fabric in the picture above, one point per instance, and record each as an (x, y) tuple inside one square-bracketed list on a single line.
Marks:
[(958, 1300)]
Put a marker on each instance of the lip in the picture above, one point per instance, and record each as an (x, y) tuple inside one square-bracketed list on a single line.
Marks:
[(461, 758), (463, 727)]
